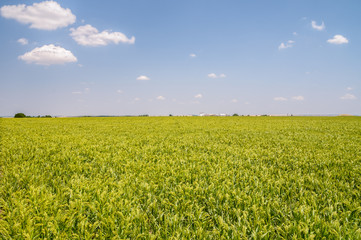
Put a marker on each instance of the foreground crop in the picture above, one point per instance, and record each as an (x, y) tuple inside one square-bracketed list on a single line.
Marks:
[(173, 177)]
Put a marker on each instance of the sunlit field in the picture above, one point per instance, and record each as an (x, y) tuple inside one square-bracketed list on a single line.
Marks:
[(181, 177)]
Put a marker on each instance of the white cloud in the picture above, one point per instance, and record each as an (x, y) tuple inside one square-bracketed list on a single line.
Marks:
[(298, 98), (198, 96), (47, 15), (318, 27), (282, 46), (234, 100), (213, 75), (23, 41), (338, 39), (348, 96), (119, 91), (280, 99), (88, 35), (143, 78), (160, 98), (295, 33), (288, 44), (48, 55), (349, 88), (192, 55), (136, 99), (77, 92)]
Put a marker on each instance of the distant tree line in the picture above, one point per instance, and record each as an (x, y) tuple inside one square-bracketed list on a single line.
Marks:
[(22, 115)]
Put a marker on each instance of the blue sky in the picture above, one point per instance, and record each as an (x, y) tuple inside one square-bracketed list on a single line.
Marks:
[(180, 57)]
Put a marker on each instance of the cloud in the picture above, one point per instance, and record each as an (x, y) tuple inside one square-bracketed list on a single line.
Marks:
[(86, 91), (295, 33), (348, 96), (338, 39), (198, 96), (282, 46), (143, 78), (318, 27), (47, 15), (349, 88), (48, 55), (213, 75), (160, 98), (234, 100), (298, 98), (88, 35), (119, 91), (288, 44), (280, 99), (192, 55), (23, 41)]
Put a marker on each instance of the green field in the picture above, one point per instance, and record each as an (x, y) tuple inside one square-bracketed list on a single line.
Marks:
[(181, 177)]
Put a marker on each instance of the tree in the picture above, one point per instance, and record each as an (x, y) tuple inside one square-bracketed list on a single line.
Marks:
[(235, 115), (20, 115)]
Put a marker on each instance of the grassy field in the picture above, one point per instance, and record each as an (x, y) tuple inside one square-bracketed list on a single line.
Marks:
[(181, 177)]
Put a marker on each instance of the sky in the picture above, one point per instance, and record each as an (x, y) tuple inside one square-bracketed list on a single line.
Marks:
[(161, 57)]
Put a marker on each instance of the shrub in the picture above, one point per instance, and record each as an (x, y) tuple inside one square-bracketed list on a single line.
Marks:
[(20, 115)]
